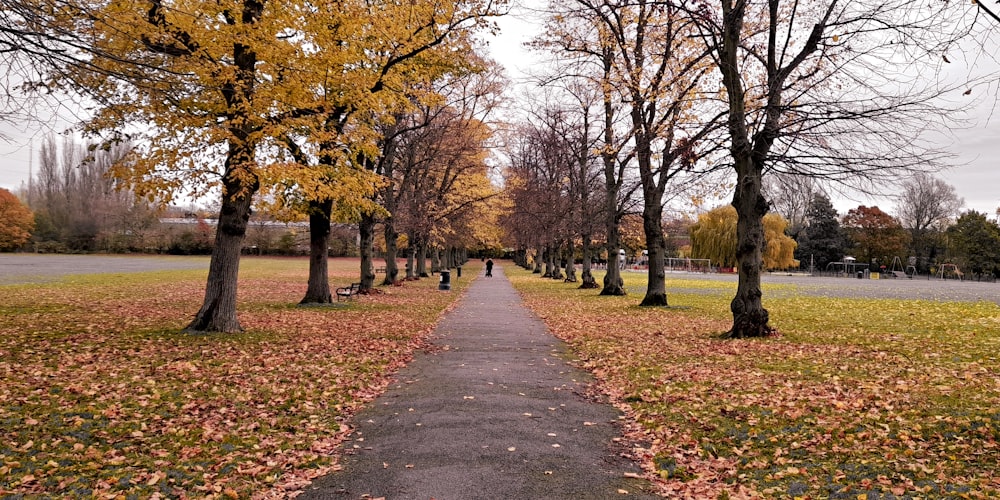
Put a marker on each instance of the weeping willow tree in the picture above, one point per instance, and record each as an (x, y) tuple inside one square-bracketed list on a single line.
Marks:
[(714, 237)]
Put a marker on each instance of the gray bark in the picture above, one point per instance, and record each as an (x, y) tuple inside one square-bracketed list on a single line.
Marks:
[(570, 267), (391, 251), (318, 287), (218, 311), (366, 230)]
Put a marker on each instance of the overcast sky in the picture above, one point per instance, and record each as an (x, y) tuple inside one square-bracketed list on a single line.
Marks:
[(976, 170), (976, 174), (14, 147)]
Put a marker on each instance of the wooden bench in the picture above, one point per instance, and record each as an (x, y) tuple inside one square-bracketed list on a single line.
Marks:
[(348, 292), (380, 270)]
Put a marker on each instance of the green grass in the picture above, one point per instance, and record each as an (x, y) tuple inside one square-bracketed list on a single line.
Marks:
[(876, 398), (101, 395)]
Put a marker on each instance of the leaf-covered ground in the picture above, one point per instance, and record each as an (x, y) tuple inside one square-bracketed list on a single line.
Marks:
[(100, 396), (855, 398)]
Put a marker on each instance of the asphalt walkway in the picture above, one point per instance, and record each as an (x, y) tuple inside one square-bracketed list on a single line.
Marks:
[(492, 410)]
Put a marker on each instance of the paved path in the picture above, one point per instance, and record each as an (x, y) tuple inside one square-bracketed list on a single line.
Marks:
[(21, 268), (921, 288), (492, 411)]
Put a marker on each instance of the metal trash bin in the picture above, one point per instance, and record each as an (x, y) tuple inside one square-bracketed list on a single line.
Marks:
[(459, 269), (445, 283), (861, 275)]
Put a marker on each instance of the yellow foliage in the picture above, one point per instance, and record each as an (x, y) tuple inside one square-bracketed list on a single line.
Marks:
[(780, 250), (16, 221), (195, 79), (714, 237)]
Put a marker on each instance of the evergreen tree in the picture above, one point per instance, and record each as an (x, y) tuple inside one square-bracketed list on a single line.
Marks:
[(822, 241)]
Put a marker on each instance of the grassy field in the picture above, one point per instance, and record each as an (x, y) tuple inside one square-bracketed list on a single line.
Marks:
[(853, 399), (100, 396)]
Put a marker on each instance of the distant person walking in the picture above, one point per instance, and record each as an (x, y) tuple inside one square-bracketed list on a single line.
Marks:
[(489, 268)]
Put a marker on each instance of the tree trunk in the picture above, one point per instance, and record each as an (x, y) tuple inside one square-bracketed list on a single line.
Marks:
[(435, 260), (547, 261), (538, 260), (411, 254), (318, 288), (422, 257), (521, 257), (586, 277), (750, 319), (218, 311), (613, 283), (366, 232), (570, 263), (749, 316), (555, 262), (656, 288), (391, 250)]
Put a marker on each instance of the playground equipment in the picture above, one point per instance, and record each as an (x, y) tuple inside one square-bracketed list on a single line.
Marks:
[(947, 270), (848, 266), (897, 263), (689, 265)]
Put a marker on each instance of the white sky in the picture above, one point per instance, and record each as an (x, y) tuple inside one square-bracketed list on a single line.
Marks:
[(976, 174), (14, 156)]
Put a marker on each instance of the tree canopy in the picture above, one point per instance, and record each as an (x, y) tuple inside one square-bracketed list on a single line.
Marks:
[(925, 207), (325, 107), (16, 221), (822, 241), (977, 241), (714, 237), (211, 91), (877, 236)]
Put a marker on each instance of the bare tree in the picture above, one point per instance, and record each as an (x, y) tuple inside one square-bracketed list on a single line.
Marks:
[(661, 75), (586, 53), (837, 89), (790, 196), (79, 207), (564, 113), (542, 160), (988, 11), (585, 180), (925, 208), (35, 51)]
